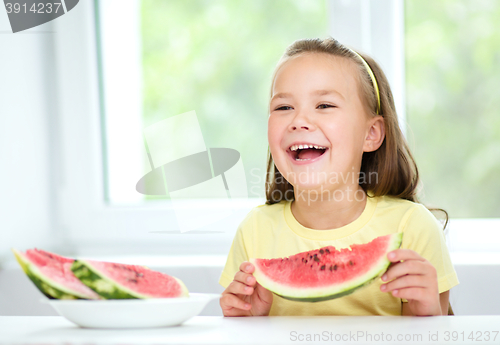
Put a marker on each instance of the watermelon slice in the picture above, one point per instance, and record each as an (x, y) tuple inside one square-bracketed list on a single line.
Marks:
[(52, 275), (326, 273), (119, 281)]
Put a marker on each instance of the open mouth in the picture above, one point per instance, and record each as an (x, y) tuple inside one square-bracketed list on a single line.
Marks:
[(306, 152)]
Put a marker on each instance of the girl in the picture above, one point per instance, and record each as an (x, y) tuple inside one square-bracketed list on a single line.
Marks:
[(339, 172)]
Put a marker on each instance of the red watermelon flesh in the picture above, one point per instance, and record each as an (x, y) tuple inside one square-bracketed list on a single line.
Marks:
[(326, 273), (117, 281), (52, 274)]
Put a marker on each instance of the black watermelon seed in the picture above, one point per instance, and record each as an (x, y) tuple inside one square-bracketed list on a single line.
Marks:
[(311, 266), (331, 268), (335, 267), (316, 259), (327, 251), (310, 257), (321, 251), (305, 261), (322, 268), (350, 263)]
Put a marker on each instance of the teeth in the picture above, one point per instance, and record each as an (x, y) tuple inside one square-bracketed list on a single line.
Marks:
[(306, 146)]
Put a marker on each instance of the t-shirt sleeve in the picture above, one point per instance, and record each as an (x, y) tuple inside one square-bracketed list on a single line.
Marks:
[(424, 234), (237, 254)]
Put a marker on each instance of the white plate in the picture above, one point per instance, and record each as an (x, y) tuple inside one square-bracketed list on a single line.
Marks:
[(132, 313)]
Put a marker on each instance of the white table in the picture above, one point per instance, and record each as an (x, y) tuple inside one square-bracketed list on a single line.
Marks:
[(261, 330)]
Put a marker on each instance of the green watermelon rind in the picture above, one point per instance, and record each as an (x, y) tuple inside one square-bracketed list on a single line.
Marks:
[(108, 288), (329, 292), (47, 286), (335, 295), (49, 289)]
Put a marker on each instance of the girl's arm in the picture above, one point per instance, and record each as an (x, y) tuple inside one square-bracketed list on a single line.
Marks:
[(443, 299)]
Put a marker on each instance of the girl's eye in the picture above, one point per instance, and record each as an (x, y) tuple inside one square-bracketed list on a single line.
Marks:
[(321, 106)]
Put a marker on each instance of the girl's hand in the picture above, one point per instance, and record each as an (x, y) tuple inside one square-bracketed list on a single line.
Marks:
[(244, 296), (414, 279)]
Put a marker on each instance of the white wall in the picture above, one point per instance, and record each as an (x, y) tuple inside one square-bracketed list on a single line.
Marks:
[(26, 96)]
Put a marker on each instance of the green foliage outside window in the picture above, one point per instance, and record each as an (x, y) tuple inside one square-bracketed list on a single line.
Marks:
[(453, 103)]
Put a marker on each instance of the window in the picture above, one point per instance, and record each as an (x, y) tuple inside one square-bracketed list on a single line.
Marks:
[(159, 59), (452, 78), (453, 74)]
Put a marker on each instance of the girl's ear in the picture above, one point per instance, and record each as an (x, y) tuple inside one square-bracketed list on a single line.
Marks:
[(375, 134)]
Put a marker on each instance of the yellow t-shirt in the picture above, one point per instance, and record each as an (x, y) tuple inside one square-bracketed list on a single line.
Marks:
[(271, 231)]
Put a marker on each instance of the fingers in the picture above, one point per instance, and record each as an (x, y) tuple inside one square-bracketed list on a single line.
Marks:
[(244, 275), (405, 282), (237, 287), (407, 267), (247, 267), (409, 274), (245, 278), (232, 305), (412, 293)]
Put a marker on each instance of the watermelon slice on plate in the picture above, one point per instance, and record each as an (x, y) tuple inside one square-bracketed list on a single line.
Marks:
[(326, 273), (120, 281), (52, 275)]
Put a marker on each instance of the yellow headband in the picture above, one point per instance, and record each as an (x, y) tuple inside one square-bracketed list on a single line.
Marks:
[(374, 80)]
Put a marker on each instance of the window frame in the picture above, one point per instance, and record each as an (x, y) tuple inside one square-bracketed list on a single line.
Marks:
[(86, 223)]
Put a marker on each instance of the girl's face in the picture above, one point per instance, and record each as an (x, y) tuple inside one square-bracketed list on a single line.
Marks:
[(318, 127)]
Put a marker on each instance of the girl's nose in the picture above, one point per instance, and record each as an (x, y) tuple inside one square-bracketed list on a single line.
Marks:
[(301, 122), (293, 127)]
